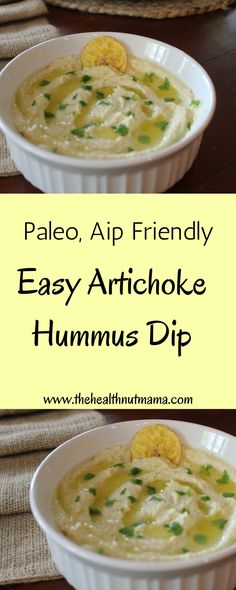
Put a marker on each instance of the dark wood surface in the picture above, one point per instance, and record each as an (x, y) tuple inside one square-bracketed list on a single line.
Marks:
[(221, 419), (210, 39)]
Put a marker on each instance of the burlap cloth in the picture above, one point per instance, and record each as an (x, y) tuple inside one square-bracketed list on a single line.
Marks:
[(145, 8), (24, 442), (22, 25)]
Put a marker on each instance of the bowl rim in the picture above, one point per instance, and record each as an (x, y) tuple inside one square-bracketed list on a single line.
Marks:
[(114, 563), (119, 162)]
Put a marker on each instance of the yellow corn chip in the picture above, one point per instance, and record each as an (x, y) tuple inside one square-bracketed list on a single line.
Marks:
[(156, 440), (104, 51)]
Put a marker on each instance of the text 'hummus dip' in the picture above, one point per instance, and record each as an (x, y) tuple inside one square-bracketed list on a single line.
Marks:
[(99, 111), (148, 508)]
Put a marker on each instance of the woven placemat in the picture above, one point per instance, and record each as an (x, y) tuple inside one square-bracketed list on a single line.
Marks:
[(145, 9)]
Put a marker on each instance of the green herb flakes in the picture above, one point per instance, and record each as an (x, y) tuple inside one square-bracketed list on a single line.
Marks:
[(137, 482), (77, 499), (224, 479), (33, 103), (123, 491), (47, 96), (85, 78), (165, 85), (189, 471), (62, 106), (189, 125), (149, 76), (44, 83), (195, 103), (82, 102), (75, 96), (80, 132), (161, 125), (71, 73), (205, 498), (174, 527), (94, 512), (126, 97), (109, 502), (88, 475), (130, 149), (145, 139), (107, 103), (169, 99), (157, 499), (130, 114), (87, 87), (205, 469), (121, 129), (132, 499), (99, 95), (182, 493), (228, 494), (118, 465), (183, 510), (128, 531), (200, 539), (148, 102), (151, 490), (219, 522), (184, 550), (49, 115), (135, 471), (93, 491), (134, 78)]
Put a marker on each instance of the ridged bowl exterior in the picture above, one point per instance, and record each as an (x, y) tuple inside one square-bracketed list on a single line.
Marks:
[(155, 177), (83, 576)]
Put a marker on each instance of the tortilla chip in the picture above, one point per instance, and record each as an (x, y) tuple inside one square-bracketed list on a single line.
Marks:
[(156, 440), (104, 51)]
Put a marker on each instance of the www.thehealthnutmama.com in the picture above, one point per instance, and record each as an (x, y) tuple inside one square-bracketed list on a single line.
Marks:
[(116, 400)]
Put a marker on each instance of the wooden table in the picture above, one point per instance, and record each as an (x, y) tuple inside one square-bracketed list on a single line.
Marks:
[(210, 39), (221, 419)]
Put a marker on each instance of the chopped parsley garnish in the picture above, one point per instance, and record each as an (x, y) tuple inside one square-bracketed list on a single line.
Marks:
[(205, 469), (131, 114), (87, 87), (157, 499), (128, 531), (219, 522), (71, 73), (99, 95), (75, 96), (184, 510), (47, 96), (224, 479), (134, 78), (161, 124), (94, 512), (149, 76), (109, 502), (182, 493), (195, 102), (130, 149), (189, 125), (62, 106), (165, 85), (126, 97), (228, 494), (169, 99), (148, 102), (205, 498), (189, 471), (118, 465), (44, 83), (123, 491), (80, 132), (200, 539), (88, 475), (33, 103), (93, 491), (121, 129), (151, 490), (144, 139), (49, 115), (81, 102), (174, 527), (184, 550), (137, 482), (77, 499), (107, 103), (132, 499), (86, 78), (135, 471), (100, 551)]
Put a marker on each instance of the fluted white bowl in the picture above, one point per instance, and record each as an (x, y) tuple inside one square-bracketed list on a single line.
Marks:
[(86, 570), (147, 173)]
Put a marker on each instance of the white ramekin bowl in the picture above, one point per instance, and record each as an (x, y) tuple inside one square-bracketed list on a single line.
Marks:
[(86, 570), (151, 173)]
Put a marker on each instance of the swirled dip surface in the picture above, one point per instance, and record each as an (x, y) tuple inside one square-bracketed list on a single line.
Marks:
[(98, 112), (148, 509)]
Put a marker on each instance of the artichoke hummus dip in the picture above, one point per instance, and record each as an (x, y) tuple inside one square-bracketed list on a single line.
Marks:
[(152, 500), (103, 104)]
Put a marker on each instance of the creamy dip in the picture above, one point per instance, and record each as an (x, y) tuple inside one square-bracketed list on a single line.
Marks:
[(148, 509), (98, 112)]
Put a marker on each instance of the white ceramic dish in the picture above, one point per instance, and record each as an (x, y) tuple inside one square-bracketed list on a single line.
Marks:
[(151, 173), (86, 570)]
